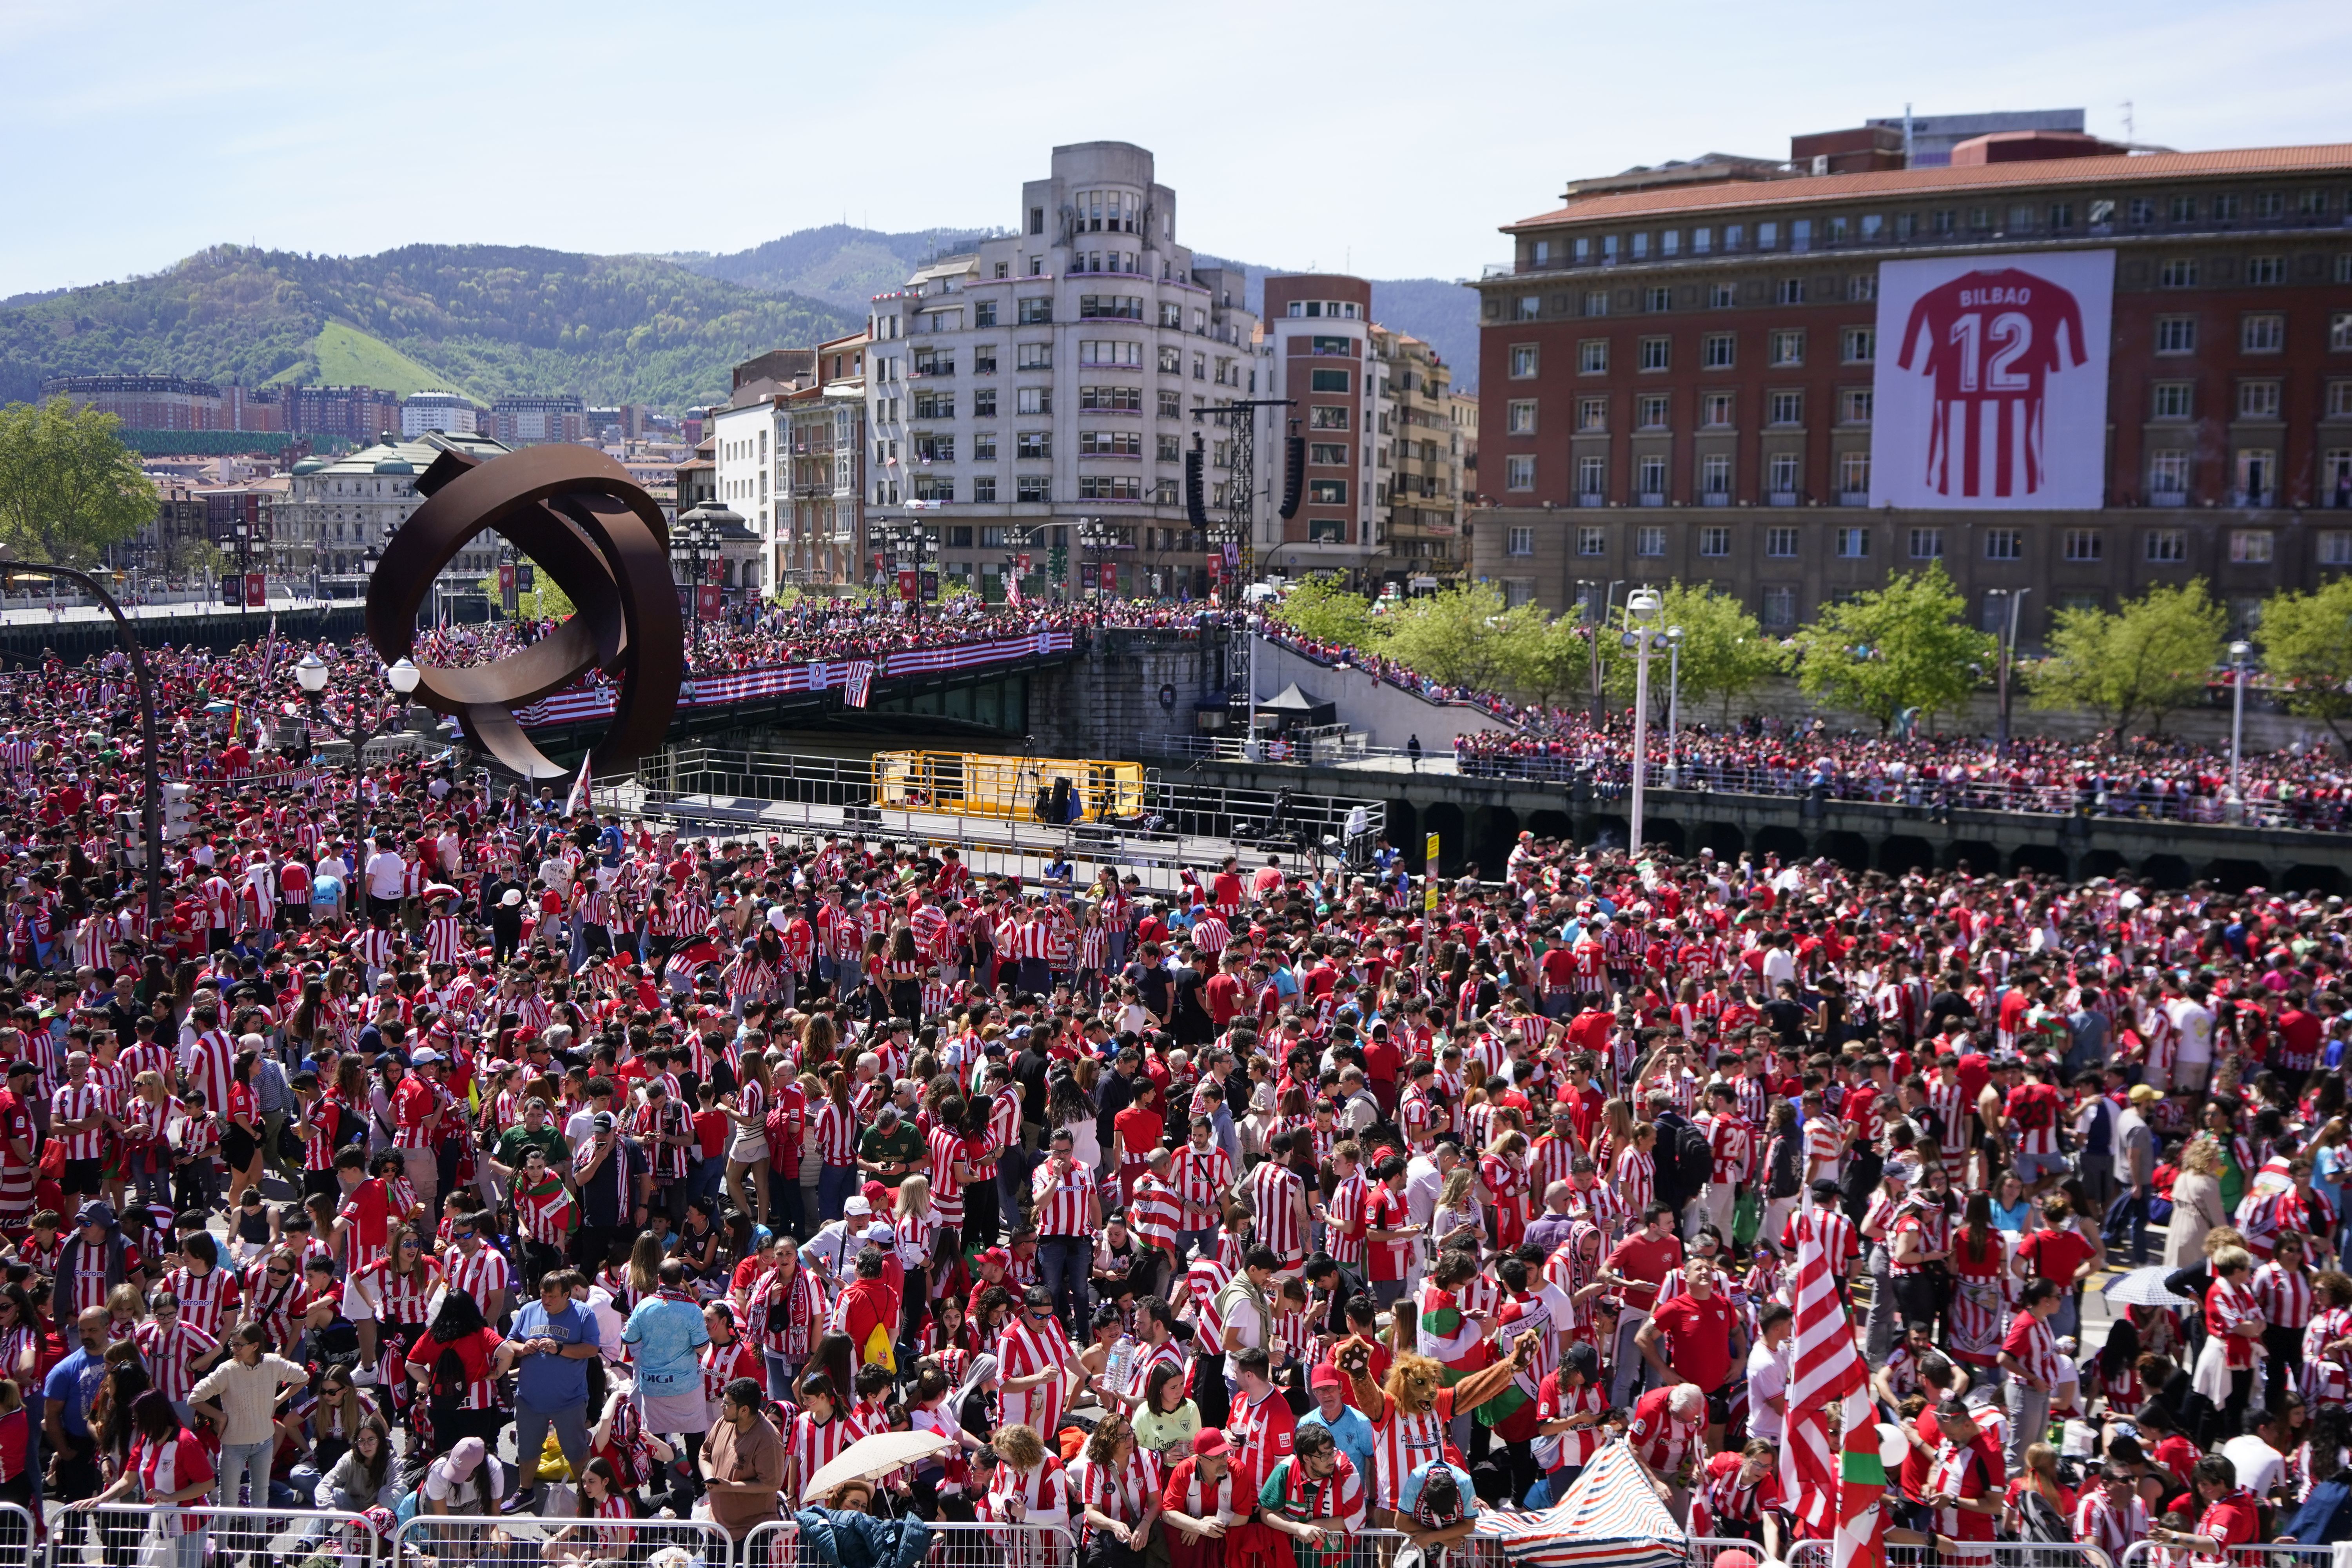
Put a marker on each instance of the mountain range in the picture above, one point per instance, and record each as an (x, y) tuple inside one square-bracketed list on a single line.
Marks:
[(489, 319)]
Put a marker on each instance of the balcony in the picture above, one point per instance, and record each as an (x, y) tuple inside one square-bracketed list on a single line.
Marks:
[(1716, 498), (1781, 498), (1590, 498), (2168, 497), (1651, 498), (1853, 498)]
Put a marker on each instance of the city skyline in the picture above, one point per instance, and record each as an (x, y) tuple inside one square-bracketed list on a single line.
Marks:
[(294, 142)]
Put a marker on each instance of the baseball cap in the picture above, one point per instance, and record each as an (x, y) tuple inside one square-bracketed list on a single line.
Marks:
[(878, 1231), (603, 1122), (856, 1204), (1324, 1376), (1210, 1444)]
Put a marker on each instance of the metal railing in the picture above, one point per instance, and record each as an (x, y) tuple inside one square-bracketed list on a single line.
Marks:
[(954, 1544), (530, 1541), (1613, 776), (2260, 1554), (111, 1531), (1970, 1555)]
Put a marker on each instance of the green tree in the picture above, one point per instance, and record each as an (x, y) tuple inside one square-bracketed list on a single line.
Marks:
[(2306, 643), (1547, 657), (69, 487), (2146, 658), (1891, 648), (1459, 637), (1724, 653), (1320, 610), (545, 601)]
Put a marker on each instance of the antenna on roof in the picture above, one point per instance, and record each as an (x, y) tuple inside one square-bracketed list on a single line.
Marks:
[(2129, 134)]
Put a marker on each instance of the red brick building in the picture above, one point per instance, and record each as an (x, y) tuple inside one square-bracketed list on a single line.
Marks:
[(1681, 375)]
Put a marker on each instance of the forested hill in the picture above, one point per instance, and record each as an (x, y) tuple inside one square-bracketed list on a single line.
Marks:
[(484, 319)]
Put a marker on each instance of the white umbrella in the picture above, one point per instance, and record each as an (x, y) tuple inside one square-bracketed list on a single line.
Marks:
[(871, 1458), (2144, 1288)]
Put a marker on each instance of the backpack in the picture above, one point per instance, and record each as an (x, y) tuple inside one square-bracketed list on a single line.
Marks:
[(2040, 1522), (1694, 1160)]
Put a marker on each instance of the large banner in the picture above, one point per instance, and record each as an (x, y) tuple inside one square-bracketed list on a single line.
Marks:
[(1991, 391)]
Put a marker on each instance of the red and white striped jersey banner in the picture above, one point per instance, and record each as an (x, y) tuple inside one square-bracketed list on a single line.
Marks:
[(751, 685)]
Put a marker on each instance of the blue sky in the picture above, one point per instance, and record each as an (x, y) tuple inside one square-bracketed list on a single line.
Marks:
[(1388, 138)]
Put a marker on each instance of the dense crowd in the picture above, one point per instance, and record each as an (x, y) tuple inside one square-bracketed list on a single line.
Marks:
[(441, 1150)]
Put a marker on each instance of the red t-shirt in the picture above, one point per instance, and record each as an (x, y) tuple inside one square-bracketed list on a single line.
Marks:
[(1385, 1210), (1698, 1339), (1639, 1258), (2055, 1254), (2232, 1521)]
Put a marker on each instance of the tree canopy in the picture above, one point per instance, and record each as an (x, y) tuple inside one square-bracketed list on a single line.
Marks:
[(2306, 643), (69, 487), (1459, 636), (1724, 653), (1320, 610), (2146, 658), (1885, 650)]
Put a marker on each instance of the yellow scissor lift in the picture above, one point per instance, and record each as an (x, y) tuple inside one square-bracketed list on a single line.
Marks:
[(1057, 791)]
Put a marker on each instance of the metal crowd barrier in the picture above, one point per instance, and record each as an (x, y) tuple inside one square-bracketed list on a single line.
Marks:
[(119, 1532), (17, 1547), (530, 1541), (1971, 1555), (2260, 1555), (955, 1543)]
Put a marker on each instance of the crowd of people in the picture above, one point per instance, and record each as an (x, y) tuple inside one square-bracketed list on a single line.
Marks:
[(437, 1150)]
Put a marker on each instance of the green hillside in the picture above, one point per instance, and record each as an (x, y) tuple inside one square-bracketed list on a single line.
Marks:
[(842, 265), (486, 319)]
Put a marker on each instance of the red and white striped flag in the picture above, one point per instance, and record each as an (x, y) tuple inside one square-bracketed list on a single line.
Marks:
[(1824, 1367), (577, 796), (858, 682)]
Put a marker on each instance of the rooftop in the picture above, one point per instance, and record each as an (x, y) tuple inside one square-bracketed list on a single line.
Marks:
[(1895, 184)]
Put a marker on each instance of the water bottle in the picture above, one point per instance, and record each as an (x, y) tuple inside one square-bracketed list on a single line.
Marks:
[(1115, 1366)]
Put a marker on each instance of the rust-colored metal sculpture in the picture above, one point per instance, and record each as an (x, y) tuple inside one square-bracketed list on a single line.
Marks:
[(579, 516)]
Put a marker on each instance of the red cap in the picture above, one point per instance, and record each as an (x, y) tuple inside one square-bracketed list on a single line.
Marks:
[(1324, 1376), (1209, 1443)]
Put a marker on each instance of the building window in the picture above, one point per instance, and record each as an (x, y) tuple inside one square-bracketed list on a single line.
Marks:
[(2172, 400), (1327, 492), (1592, 476), (2257, 475), (2176, 334), (1033, 356), (1854, 406), (1527, 307), (1716, 351), (1784, 408), (1653, 353), (1330, 381), (1593, 413), (1650, 541), (1715, 410), (1780, 543), (983, 489), (2083, 545), (1779, 609), (2004, 545), (2339, 325), (2263, 334), (2339, 400), (1927, 544), (2258, 400), (1595, 303), (2178, 273), (2167, 475), (1110, 487), (1110, 443), (983, 446), (1792, 291), (1780, 478), (1033, 400), (2167, 546), (1853, 473), (1715, 543), (1034, 446), (1593, 357), (2251, 547), (2265, 270), (1722, 296), (1327, 416), (1034, 489), (1786, 348), (1520, 541), (1172, 362), (1518, 473), (983, 313), (1858, 345), (1519, 417), (1523, 360), (1591, 542), (1322, 454), (2335, 548), (1854, 543), (1650, 411), (1714, 474), (1650, 475), (1862, 287), (1036, 310)]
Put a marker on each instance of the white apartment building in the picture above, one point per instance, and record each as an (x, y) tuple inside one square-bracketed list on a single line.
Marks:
[(1051, 376), (336, 510), (450, 412), (748, 456)]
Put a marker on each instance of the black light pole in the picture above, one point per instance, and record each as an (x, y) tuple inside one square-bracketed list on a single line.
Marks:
[(151, 802)]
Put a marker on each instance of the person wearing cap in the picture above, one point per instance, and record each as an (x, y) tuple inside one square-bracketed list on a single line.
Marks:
[(831, 1251), (1348, 1426), (1202, 1500), (2134, 1169)]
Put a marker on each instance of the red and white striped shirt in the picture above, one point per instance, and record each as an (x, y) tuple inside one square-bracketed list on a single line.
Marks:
[(168, 1350), (1062, 1203), (836, 1135), (1637, 1180), (1343, 1231), (477, 1273), (2099, 1523), (2284, 1296), (946, 1145), (1273, 1192), (204, 1299), (73, 1102), (1201, 1176), (210, 1061), (393, 1298), (1121, 1492)]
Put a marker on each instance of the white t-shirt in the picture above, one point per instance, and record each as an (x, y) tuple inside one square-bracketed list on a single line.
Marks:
[(2194, 1026), (2258, 1463), (440, 1481), (1767, 1377), (386, 874)]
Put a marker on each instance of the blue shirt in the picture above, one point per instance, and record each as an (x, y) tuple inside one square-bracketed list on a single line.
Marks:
[(667, 1332), (72, 1384), (1409, 1492), (1351, 1432), (548, 1382)]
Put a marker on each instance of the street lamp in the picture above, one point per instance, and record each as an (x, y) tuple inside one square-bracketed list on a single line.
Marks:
[(1674, 693), (1094, 537), (238, 529), (1643, 608), (313, 675), (694, 538), (2239, 653)]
